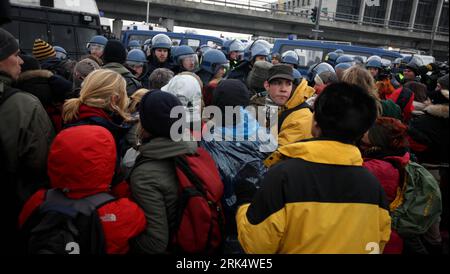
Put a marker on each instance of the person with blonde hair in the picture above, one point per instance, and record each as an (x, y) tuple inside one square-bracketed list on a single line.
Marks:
[(133, 109), (361, 77), (103, 101)]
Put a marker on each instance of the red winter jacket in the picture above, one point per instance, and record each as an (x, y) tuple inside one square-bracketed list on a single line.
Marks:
[(81, 161), (389, 178), (407, 106)]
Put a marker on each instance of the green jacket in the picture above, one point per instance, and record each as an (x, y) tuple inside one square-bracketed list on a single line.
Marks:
[(133, 83), (26, 133), (154, 187)]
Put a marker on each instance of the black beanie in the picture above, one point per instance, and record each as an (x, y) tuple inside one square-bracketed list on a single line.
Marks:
[(231, 92), (155, 110), (8, 44), (114, 52), (29, 63)]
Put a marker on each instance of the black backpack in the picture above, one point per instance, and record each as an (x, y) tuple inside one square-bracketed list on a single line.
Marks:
[(65, 226)]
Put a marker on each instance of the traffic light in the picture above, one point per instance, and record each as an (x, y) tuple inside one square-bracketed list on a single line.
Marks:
[(314, 14)]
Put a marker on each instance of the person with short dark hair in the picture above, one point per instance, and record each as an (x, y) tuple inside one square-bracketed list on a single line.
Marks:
[(294, 121), (237, 148), (114, 57), (159, 78), (26, 133), (320, 199), (154, 183)]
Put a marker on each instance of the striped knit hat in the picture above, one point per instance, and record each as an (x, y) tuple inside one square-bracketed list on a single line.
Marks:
[(42, 50)]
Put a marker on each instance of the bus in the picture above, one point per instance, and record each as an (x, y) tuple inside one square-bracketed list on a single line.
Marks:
[(66, 23), (190, 39), (312, 51)]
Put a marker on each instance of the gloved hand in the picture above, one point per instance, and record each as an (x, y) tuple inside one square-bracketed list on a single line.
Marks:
[(245, 191)]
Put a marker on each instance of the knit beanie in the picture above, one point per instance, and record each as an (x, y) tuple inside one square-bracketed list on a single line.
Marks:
[(231, 92), (258, 75), (114, 52), (8, 44), (86, 66), (42, 50), (154, 112)]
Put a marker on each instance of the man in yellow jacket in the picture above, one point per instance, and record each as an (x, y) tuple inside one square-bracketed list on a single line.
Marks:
[(320, 199), (294, 115)]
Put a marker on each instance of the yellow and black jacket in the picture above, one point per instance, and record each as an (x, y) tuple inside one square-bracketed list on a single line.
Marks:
[(321, 200), (297, 124)]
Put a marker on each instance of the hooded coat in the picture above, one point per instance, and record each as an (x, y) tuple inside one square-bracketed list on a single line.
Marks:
[(81, 162), (298, 123), (154, 187), (432, 131), (386, 169), (50, 89), (26, 133), (320, 200)]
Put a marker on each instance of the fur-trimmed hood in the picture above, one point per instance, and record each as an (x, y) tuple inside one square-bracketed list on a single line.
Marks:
[(31, 74), (440, 110)]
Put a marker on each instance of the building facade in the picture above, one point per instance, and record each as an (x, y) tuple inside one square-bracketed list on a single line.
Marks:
[(403, 14)]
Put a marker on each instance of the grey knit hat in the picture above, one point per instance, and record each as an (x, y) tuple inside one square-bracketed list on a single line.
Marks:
[(258, 75), (8, 44), (86, 66)]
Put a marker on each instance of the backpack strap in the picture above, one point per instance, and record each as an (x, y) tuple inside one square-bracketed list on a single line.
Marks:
[(183, 165), (7, 93), (56, 200), (287, 112), (100, 199)]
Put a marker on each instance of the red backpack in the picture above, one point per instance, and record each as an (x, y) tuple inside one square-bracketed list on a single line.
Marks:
[(200, 221)]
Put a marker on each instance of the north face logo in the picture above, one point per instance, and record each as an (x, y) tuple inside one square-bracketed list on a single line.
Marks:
[(372, 3)]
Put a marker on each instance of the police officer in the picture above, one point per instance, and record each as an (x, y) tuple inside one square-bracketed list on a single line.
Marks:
[(374, 66), (233, 50), (185, 59), (160, 53), (134, 44), (96, 46), (290, 58), (213, 69), (137, 63), (257, 51)]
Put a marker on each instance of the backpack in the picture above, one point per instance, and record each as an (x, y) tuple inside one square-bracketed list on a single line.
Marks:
[(65, 226), (418, 203), (199, 222)]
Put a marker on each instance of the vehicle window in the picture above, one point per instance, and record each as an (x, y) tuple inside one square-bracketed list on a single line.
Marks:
[(354, 54), (140, 38), (213, 44), (193, 43), (176, 41), (307, 56), (83, 37), (387, 59), (64, 36), (37, 30)]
